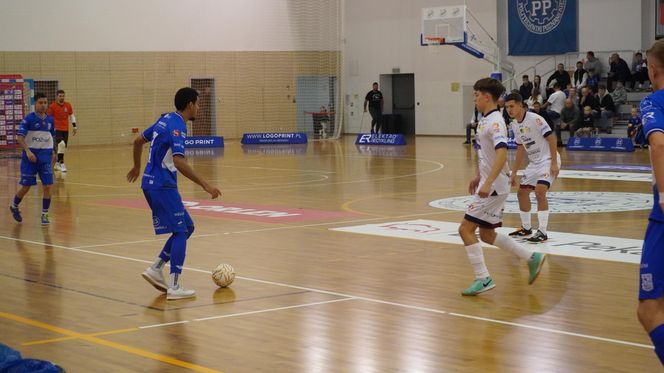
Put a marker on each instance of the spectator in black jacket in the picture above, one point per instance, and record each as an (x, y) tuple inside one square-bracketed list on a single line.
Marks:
[(526, 88), (619, 71), (561, 76), (588, 99), (537, 109), (607, 109), (580, 76)]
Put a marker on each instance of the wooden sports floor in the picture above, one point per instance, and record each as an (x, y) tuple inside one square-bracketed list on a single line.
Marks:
[(307, 298)]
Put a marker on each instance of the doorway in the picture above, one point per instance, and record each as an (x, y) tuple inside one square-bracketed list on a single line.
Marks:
[(399, 110)]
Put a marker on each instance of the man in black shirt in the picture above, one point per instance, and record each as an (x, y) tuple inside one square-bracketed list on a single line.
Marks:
[(561, 76), (375, 100), (526, 88)]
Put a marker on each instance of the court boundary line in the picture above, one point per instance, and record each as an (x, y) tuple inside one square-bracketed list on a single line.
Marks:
[(373, 300), (104, 342)]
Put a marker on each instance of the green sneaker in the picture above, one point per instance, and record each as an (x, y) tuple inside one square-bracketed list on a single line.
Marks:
[(479, 286), (44, 219), (534, 266)]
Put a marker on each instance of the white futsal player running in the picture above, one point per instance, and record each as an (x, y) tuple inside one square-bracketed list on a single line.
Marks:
[(536, 141), (490, 189)]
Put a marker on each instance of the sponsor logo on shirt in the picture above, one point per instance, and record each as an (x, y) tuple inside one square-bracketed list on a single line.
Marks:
[(176, 133)]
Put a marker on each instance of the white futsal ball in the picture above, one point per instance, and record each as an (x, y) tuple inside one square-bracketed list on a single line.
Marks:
[(223, 275)]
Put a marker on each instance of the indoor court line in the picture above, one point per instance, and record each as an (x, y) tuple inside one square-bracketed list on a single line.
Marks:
[(248, 313), (107, 343), (378, 301), (62, 339)]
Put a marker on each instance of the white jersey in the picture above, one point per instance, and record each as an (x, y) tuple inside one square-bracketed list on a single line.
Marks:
[(491, 135), (531, 133)]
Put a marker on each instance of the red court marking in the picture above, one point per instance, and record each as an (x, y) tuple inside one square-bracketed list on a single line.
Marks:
[(240, 211)]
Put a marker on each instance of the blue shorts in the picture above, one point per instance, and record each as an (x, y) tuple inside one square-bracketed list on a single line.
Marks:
[(168, 212), (29, 171), (652, 262)]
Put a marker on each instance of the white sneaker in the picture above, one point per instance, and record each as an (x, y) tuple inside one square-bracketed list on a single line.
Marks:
[(155, 278), (57, 166), (62, 167), (179, 293)]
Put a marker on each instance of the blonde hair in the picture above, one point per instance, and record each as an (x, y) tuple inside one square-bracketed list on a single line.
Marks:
[(656, 52)]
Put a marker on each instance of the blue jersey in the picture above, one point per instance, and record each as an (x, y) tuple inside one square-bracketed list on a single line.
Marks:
[(38, 133), (652, 118), (166, 139), (635, 121)]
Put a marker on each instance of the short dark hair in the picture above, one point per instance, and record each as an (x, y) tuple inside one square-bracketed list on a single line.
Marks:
[(601, 86), (557, 85), (579, 62), (491, 86), (514, 97), (525, 76), (60, 91), (638, 54), (39, 95), (374, 83), (591, 53), (184, 96)]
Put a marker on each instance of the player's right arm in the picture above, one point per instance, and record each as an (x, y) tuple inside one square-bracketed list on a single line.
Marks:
[(185, 169), (135, 171), (20, 138), (139, 141), (520, 156)]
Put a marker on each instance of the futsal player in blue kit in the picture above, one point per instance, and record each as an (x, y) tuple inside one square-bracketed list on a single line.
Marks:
[(35, 136), (651, 294), (159, 184)]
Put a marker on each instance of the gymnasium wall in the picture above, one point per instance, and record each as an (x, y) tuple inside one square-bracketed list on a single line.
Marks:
[(384, 34), (122, 61)]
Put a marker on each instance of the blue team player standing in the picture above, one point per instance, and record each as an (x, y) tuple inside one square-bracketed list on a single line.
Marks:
[(166, 157), (35, 136), (651, 293)]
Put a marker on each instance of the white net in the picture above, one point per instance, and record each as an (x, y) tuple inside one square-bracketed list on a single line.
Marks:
[(242, 90)]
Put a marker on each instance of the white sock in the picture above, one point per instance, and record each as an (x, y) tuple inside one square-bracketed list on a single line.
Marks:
[(525, 219), (173, 280), (506, 243), (476, 258), (158, 264), (543, 218)]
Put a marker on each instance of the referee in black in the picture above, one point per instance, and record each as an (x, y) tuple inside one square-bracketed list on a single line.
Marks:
[(375, 100)]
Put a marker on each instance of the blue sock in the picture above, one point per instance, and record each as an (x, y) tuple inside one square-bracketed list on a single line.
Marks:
[(165, 254), (657, 337), (46, 203), (178, 251), (17, 200)]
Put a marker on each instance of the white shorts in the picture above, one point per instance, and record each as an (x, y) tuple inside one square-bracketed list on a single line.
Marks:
[(487, 212), (537, 174)]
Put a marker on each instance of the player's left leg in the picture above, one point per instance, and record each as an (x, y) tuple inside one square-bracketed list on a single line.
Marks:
[(650, 310), (542, 212), (483, 281), (523, 195), (61, 139), (46, 177)]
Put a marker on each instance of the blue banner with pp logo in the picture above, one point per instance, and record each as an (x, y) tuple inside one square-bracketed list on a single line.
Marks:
[(606, 144), (204, 142), (275, 138), (541, 27), (380, 139)]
